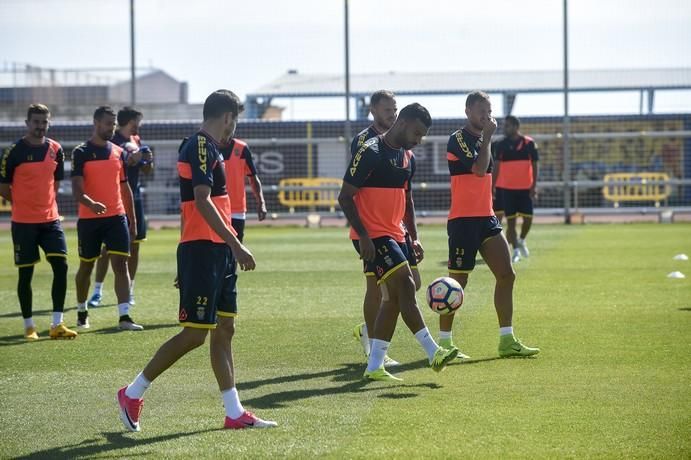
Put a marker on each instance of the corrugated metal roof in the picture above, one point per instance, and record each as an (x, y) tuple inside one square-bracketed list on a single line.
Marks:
[(294, 84)]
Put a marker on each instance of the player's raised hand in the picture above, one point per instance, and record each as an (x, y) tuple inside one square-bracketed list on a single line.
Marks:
[(489, 127), (97, 207), (367, 250), (244, 258)]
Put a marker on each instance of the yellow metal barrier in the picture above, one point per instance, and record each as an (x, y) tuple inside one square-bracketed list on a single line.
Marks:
[(311, 197), (636, 187)]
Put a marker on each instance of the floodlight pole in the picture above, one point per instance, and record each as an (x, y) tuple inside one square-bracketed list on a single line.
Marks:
[(566, 122), (133, 82), (346, 129)]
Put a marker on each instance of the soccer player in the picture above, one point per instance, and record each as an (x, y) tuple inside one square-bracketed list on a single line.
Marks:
[(106, 214), (515, 182), (206, 259), (138, 159), (237, 159), (375, 197), (383, 110), (472, 225), (30, 173)]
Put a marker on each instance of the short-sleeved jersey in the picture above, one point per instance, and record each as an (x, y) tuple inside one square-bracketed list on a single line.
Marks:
[(363, 136), (103, 171), (200, 163), (132, 171), (31, 171), (471, 195), (237, 159), (383, 175), (515, 161)]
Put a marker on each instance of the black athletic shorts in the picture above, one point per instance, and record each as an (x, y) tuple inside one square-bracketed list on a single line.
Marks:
[(412, 261), (515, 202), (466, 235), (28, 237), (109, 231), (390, 255), (207, 279)]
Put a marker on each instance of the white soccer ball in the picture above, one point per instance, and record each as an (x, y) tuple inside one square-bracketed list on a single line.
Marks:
[(444, 295)]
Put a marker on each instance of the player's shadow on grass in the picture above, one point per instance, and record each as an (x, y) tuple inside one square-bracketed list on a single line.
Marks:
[(112, 441), (46, 312), (279, 399), (17, 314), (19, 339), (147, 327), (348, 372), (474, 361), (10, 340)]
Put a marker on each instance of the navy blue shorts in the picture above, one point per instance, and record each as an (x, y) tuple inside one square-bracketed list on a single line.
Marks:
[(141, 220), (109, 231), (28, 237), (466, 235), (239, 227), (515, 202), (207, 279), (412, 261), (390, 255)]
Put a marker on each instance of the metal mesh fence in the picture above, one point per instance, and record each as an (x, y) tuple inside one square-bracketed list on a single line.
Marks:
[(314, 149)]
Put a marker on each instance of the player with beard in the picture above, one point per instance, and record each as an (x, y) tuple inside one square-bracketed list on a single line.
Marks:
[(30, 173), (375, 197), (139, 159), (472, 225), (383, 110), (106, 214)]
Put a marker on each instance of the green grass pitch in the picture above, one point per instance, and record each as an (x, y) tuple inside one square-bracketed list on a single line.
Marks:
[(613, 379)]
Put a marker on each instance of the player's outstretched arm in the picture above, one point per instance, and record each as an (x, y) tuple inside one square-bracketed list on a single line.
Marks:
[(202, 200)]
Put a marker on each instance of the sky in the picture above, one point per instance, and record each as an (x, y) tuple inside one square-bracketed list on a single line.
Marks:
[(242, 45)]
